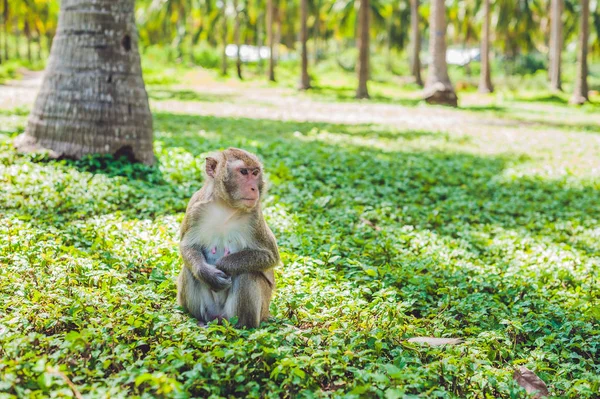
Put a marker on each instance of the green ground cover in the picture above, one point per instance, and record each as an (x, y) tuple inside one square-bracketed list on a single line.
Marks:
[(385, 234)]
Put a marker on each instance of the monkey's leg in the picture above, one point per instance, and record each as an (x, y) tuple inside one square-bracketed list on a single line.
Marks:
[(249, 299), (197, 297)]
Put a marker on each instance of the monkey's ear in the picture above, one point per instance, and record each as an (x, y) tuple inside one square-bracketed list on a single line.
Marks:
[(211, 166)]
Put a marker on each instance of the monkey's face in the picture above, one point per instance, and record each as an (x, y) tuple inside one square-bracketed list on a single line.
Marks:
[(244, 184)]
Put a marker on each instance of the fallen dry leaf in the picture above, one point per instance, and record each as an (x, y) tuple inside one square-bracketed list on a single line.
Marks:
[(435, 341), (370, 224), (531, 382)]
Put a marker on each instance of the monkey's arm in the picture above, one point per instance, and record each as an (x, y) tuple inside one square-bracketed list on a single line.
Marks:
[(194, 260), (248, 260)]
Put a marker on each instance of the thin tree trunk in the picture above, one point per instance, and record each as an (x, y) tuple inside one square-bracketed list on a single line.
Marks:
[(317, 32), (277, 31), (236, 36), (92, 99), (259, 41), (485, 80), (49, 41), (388, 36), (362, 67), (556, 43), (580, 95), (438, 89), (17, 34), (28, 38), (304, 78), (5, 20), (270, 20), (416, 42), (224, 42)]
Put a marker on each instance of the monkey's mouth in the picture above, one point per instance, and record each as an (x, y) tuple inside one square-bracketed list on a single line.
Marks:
[(249, 200)]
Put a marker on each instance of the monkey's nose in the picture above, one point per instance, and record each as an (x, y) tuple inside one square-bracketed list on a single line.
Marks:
[(252, 188)]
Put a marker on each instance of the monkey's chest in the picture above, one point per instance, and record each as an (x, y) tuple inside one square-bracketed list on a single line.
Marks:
[(219, 234)]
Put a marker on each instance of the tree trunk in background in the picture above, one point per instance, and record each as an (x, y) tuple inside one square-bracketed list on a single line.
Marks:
[(388, 44), (304, 78), (580, 95), (556, 43), (362, 67), (438, 89), (236, 36), (5, 19), (259, 40), (317, 31), (28, 37), (270, 20), (224, 42), (277, 31), (92, 99), (485, 80), (416, 42)]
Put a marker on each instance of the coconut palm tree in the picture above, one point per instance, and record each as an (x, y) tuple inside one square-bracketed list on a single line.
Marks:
[(438, 88), (415, 38), (485, 80), (580, 95), (556, 43), (304, 78), (271, 37), (362, 68), (92, 99)]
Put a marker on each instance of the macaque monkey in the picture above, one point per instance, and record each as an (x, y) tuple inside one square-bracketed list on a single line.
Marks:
[(228, 250)]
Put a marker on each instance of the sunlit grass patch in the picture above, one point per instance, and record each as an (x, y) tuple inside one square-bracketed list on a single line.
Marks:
[(385, 234)]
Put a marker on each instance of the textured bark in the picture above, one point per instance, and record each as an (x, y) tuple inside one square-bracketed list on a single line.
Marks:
[(438, 89), (236, 37), (362, 67), (580, 95), (485, 80), (224, 42), (259, 40), (28, 37), (270, 22), (317, 32), (92, 99), (5, 19), (416, 42), (304, 78), (556, 43)]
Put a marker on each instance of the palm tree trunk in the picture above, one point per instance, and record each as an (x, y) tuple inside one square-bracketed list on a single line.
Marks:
[(92, 99), (362, 67), (580, 95), (388, 42), (5, 19), (556, 43), (304, 78), (316, 32), (259, 40), (438, 89), (236, 36), (28, 38), (485, 80), (270, 22), (416, 42), (224, 42)]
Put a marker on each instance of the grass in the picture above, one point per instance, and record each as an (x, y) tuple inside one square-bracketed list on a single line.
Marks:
[(385, 234)]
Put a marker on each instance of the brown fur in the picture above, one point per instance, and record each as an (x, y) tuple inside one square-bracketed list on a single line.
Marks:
[(240, 283)]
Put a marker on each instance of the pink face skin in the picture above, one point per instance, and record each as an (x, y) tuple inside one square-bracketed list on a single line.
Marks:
[(247, 181)]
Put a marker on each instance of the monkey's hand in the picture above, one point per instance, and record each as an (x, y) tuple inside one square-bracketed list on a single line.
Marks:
[(246, 261), (215, 278)]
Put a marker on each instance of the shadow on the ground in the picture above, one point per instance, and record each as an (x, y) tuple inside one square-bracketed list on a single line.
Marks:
[(348, 94), (359, 197), (160, 94), (325, 169)]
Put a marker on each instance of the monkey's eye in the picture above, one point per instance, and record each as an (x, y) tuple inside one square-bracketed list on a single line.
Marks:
[(244, 171), (255, 172)]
